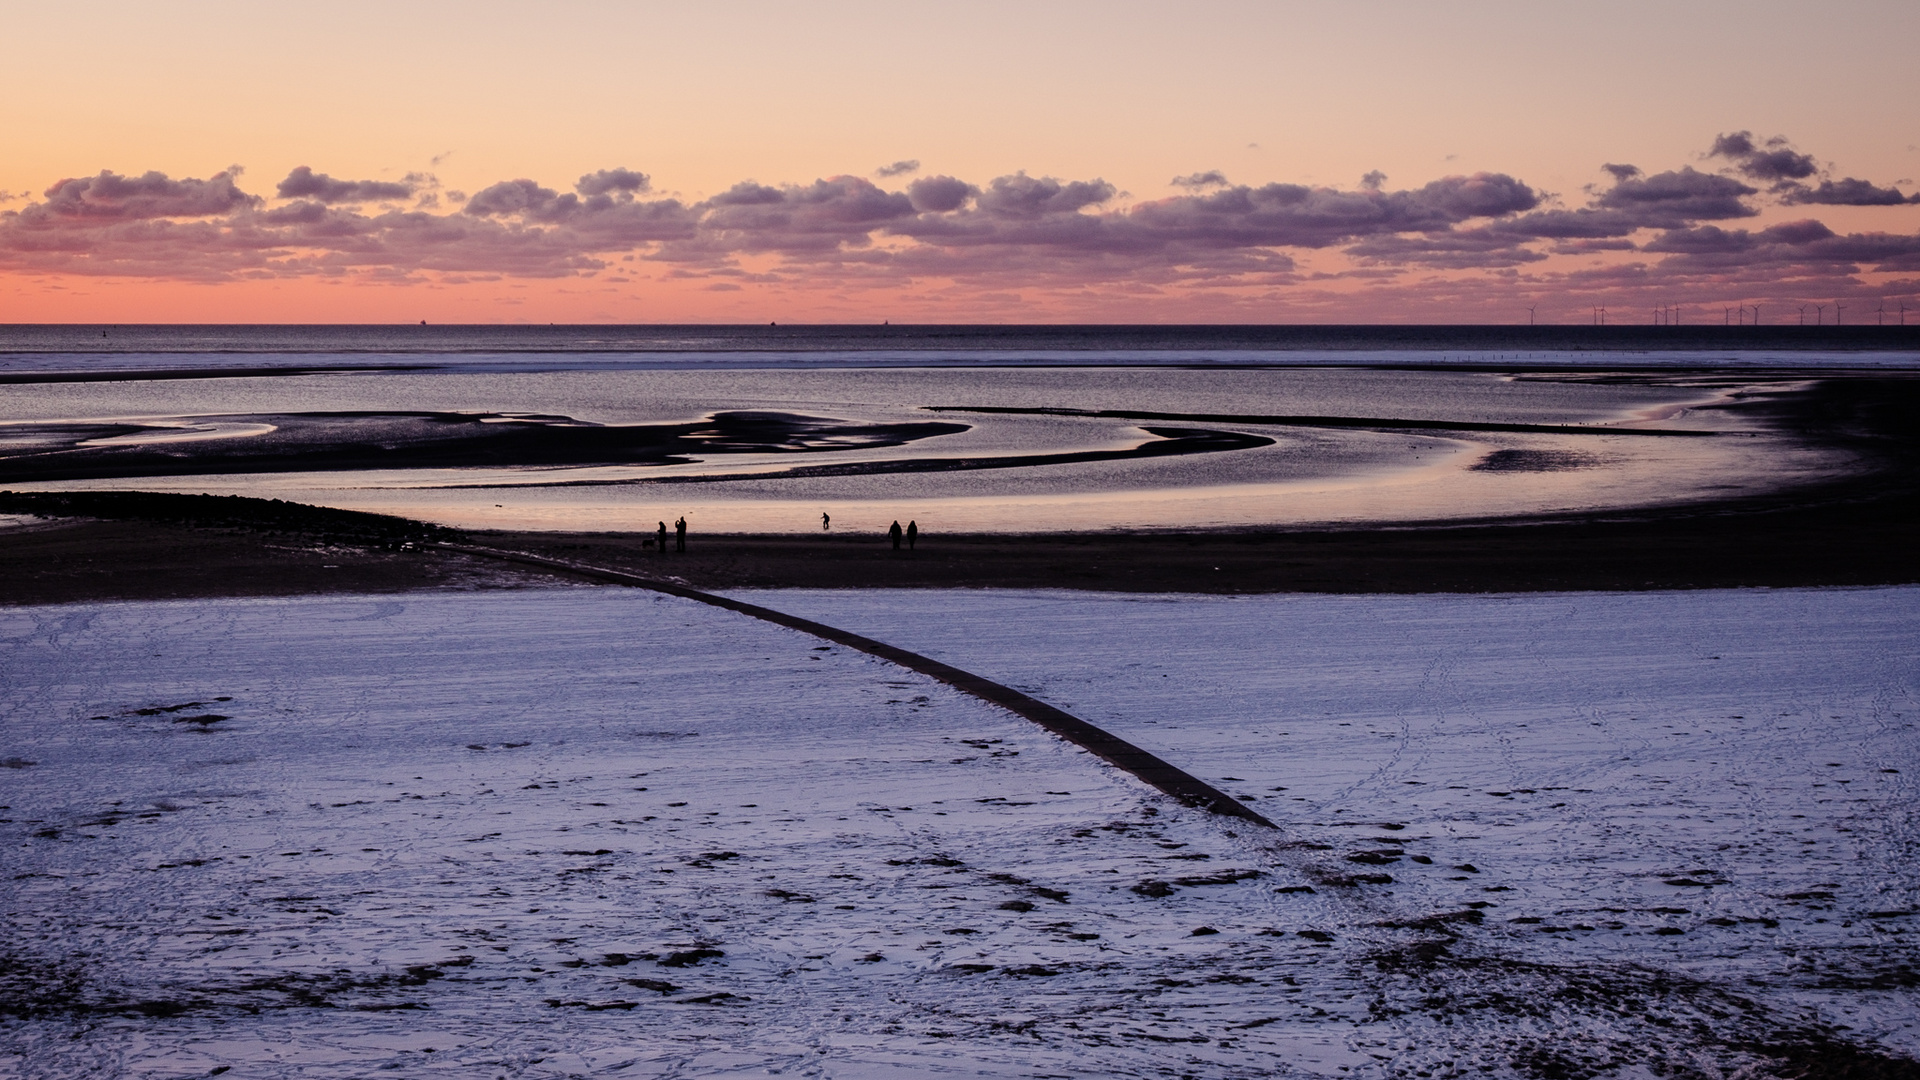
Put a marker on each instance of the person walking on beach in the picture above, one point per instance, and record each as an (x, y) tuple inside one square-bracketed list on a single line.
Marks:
[(913, 533), (680, 534), (826, 522), (663, 538), (894, 534)]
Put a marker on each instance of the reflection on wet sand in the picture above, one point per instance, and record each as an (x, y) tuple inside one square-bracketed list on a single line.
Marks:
[(1031, 451), (363, 440)]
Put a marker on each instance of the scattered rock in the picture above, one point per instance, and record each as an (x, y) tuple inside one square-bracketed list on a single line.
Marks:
[(1347, 881), (720, 998), (1224, 877), (689, 957), (931, 860), (1441, 921)]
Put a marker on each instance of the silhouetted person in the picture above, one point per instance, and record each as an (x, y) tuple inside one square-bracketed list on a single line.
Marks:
[(825, 521), (913, 533), (680, 535), (663, 538), (894, 534)]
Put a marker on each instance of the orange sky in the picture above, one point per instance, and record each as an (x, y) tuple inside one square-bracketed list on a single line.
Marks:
[(703, 97)]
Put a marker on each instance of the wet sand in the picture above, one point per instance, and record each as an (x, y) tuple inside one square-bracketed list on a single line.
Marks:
[(75, 560), (1839, 538), (1826, 546), (1859, 530)]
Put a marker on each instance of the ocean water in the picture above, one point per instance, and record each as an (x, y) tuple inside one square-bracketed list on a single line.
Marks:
[(961, 429), (759, 345)]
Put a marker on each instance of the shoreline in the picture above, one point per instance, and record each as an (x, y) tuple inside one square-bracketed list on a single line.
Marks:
[(1854, 530), (239, 338), (1842, 535)]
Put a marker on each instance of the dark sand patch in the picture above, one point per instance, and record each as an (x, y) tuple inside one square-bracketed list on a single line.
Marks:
[(350, 441), (1831, 543), (1835, 545), (1534, 461), (73, 560)]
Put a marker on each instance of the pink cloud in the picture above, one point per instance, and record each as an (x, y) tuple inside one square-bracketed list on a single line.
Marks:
[(304, 183), (110, 196), (1071, 238)]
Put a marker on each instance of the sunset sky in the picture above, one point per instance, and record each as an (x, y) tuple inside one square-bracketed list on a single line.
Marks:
[(983, 162)]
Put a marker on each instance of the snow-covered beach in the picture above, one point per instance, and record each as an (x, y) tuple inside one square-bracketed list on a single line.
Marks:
[(604, 832)]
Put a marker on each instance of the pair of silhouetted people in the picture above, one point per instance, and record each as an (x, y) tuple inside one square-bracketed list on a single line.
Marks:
[(679, 536), (912, 534)]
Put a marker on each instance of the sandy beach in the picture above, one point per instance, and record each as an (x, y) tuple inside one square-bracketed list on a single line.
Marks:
[(1613, 793), (1840, 537), (841, 541), (556, 832)]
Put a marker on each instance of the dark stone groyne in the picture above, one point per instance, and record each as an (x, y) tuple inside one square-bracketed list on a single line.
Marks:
[(1185, 787)]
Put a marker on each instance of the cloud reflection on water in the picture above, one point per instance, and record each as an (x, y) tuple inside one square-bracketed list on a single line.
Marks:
[(1030, 451)]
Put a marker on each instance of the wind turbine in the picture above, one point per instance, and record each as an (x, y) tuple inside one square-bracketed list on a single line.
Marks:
[(1819, 314), (1837, 309), (1529, 316), (1803, 314), (1880, 314), (1756, 314)]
